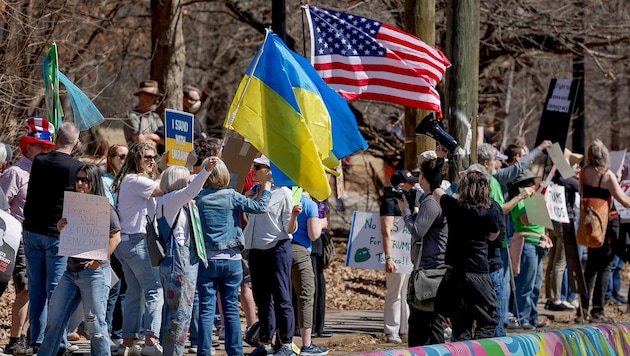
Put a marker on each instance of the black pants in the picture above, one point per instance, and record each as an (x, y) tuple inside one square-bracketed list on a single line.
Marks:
[(271, 284), (319, 307), (597, 273), (425, 328), (468, 298)]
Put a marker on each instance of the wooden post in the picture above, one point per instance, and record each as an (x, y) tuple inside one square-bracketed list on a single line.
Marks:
[(462, 79), (419, 21)]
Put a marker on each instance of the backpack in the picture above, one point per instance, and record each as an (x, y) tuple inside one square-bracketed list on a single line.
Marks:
[(329, 249), (593, 222)]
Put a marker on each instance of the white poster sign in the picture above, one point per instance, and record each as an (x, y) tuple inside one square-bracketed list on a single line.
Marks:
[(10, 235), (365, 247), (624, 213), (87, 233), (556, 203)]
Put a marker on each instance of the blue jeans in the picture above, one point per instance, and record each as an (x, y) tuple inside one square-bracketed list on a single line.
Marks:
[(528, 284), (566, 294), (614, 285), (497, 278), (90, 286), (143, 287), (44, 269), (224, 276)]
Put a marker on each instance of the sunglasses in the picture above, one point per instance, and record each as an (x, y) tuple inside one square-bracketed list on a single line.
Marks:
[(259, 166), (82, 180), (151, 158)]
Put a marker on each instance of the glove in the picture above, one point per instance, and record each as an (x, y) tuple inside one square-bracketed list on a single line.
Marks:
[(435, 175)]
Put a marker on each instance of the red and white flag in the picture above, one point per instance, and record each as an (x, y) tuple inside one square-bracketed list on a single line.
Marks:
[(365, 59)]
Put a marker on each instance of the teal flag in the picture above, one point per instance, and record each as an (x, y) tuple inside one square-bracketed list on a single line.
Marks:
[(197, 232)]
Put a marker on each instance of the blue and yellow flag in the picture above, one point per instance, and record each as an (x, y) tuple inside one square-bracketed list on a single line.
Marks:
[(282, 108)]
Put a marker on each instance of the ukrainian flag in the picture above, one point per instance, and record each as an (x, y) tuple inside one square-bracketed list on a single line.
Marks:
[(281, 109)]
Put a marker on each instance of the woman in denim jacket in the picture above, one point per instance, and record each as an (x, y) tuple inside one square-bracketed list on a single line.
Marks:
[(219, 209)]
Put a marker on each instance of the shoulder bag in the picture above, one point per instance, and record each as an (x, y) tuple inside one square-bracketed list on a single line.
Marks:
[(155, 243), (423, 286)]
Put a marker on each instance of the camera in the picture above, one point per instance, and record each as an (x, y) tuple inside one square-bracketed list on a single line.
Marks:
[(393, 192)]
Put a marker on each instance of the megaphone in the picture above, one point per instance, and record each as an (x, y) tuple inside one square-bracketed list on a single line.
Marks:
[(429, 126)]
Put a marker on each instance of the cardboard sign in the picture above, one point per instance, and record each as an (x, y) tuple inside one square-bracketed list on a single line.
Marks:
[(556, 203), (624, 213), (617, 161), (556, 116), (536, 209), (10, 235), (365, 247), (238, 155), (87, 233), (562, 165), (179, 136)]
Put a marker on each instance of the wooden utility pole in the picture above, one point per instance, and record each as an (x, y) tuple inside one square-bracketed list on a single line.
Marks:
[(279, 18), (419, 21), (462, 79)]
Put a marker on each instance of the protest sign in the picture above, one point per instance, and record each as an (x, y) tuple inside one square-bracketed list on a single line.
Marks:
[(556, 203), (536, 209), (87, 233), (556, 116), (365, 248), (10, 235), (179, 136), (624, 213), (562, 165), (617, 160), (238, 155)]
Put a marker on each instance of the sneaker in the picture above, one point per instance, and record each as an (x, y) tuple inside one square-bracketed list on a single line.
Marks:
[(261, 350), (560, 306), (285, 350), (394, 339), (153, 350), (527, 326), (621, 299), (540, 324), (215, 343), (513, 324), (113, 345), (221, 333), (73, 347), (313, 350), (74, 337), (134, 350), (81, 331), (11, 345), (600, 318), (568, 305), (193, 350), (575, 303), (24, 348)]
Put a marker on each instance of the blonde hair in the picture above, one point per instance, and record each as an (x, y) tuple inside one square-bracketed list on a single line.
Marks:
[(174, 178), (219, 177), (111, 153), (598, 157)]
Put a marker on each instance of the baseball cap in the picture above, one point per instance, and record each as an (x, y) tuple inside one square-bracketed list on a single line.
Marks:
[(403, 176), (262, 160)]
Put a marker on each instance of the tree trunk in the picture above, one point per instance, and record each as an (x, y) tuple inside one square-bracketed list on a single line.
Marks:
[(169, 51), (419, 21), (462, 79), (615, 123)]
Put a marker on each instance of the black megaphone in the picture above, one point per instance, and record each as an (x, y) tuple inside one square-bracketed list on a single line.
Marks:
[(429, 126)]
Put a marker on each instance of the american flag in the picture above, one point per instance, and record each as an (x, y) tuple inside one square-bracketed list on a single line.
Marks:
[(365, 59)]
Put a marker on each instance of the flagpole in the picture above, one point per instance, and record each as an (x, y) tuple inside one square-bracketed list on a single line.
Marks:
[(240, 100)]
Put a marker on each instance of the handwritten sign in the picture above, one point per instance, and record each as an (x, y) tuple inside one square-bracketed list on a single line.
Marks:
[(365, 248), (560, 97), (10, 235), (624, 213), (179, 136), (556, 203), (87, 233)]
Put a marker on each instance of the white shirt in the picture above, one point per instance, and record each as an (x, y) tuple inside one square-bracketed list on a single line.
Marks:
[(135, 202)]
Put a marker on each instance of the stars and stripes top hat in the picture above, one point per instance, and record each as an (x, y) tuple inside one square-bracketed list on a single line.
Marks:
[(38, 130)]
